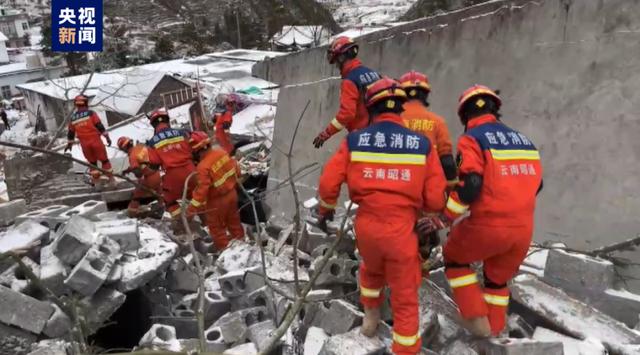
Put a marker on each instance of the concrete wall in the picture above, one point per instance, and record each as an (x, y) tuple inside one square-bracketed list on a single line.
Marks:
[(569, 72)]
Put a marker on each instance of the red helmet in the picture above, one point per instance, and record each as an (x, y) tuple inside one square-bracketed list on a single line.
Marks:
[(340, 46), (199, 140), (123, 143), (385, 88), (157, 114), (414, 80), (81, 100), (474, 91)]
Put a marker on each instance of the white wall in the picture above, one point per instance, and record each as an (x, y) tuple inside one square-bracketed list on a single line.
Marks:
[(19, 30), (4, 56)]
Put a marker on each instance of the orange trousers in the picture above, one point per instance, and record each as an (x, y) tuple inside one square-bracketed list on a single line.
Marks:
[(94, 151), (390, 257), (173, 186), (153, 182), (502, 250), (223, 219)]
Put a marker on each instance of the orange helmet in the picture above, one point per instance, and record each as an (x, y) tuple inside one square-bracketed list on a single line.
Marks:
[(474, 91), (124, 142), (157, 114), (414, 80), (81, 100), (199, 140), (340, 46), (384, 89)]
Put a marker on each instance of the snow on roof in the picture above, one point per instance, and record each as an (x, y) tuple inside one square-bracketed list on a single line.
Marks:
[(359, 31), (300, 35), (11, 68), (3, 38), (247, 121)]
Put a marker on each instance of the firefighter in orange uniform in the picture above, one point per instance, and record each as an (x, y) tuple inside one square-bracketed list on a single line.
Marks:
[(393, 174), (223, 123), (418, 118), (148, 174), (356, 78), (500, 176), (86, 125), (216, 191), (170, 149)]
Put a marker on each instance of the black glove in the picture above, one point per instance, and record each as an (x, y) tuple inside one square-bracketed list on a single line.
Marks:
[(320, 139), (108, 140), (322, 221), (68, 147), (226, 125)]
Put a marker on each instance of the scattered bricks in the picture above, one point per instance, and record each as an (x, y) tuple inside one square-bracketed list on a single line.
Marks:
[(22, 236), (16, 272), (263, 297), (321, 250), (15, 341), (215, 342), (44, 214), (238, 255), (318, 295), (88, 209), (181, 276), (23, 311), (571, 346), (341, 317), (74, 240), (53, 272), (109, 247), (10, 210), (58, 325), (185, 323), (353, 343), (115, 275), (259, 333), (160, 337), (234, 325), (123, 231), (510, 346), (102, 305), (315, 238), (314, 341), (244, 349), (215, 306), (577, 273), (118, 195), (459, 347), (237, 283), (90, 273), (336, 271)]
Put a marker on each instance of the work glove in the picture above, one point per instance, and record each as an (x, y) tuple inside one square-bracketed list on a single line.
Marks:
[(322, 220), (108, 140), (68, 147), (226, 125), (430, 224), (320, 139)]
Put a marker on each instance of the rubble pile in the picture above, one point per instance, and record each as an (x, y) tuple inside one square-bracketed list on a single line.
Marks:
[(95, 260)]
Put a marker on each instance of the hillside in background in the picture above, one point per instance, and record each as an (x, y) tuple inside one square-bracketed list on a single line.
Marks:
[(349, 13), (424, 8)]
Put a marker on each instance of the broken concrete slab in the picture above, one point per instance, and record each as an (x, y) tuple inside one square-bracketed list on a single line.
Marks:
[(23, 311), (244, 349), (88, 209), (58, 325), (53, 271), (160, 337), (622, 305), (234, 325), (215, 306), (184, 321), (115, 275), (90, 272), (577, 273), (123, 231), (41, 215), (22, 236), (181, 276), (510, 346), (314, 340), (567, 314), (572, 346), (458, 347), (518, 327), (353, 343), (74, 240), (15, 341), (239, 255), (50, 347), (111, 216), (215, 342), (101, 306), (16, 272), (259, 333), (434, 300), (10, 210), (115, 196), (277, 223), (239, 282), (341, 317)]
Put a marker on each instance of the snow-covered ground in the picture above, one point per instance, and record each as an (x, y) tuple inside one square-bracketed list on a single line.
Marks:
[(353, 13)]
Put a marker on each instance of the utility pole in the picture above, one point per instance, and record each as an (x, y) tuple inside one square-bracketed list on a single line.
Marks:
[(238, 24)]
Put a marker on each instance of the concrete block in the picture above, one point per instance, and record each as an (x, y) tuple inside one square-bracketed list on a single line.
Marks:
[(277, 223), (53, 271), (50, 347), (42, 215), (459, 347), (314, 340), (244, 349), (510, 346), (111, 216), (58, 325), (22, 236), (15, 341), (215, 341), (263, 297), (237, 283), (90, 273), (577, 273), (23, 311), (570, 345), (118, 195), (88, 209), (181, 277), (184, 321), (10, 210), (123, 231), (234, 325), (336, 271), (74, 240), (102, 305), (259, 333), (115, 275), (311, 203), (353, 343), (341, 317), (518, 327), (15, 272), (109, 247), (160, 337), (215, 306)]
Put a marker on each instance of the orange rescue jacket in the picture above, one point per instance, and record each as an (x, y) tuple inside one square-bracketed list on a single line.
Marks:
[(217, 176), (419, 119), (86, 125), (139, 160), (170, 148), (222, 135)]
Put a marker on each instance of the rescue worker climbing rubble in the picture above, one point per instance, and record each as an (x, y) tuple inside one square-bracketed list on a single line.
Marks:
[(86, 125), (148, 174), (169, 148), (215, 195), (393, 174), (223, 123), (500, 176), (352, 113)]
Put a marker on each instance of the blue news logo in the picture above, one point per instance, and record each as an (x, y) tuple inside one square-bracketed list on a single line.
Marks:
[(76, 25)]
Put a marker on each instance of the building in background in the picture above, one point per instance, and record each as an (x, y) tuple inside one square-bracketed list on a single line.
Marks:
[(33, 8), (295, 38), (14, 25)]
